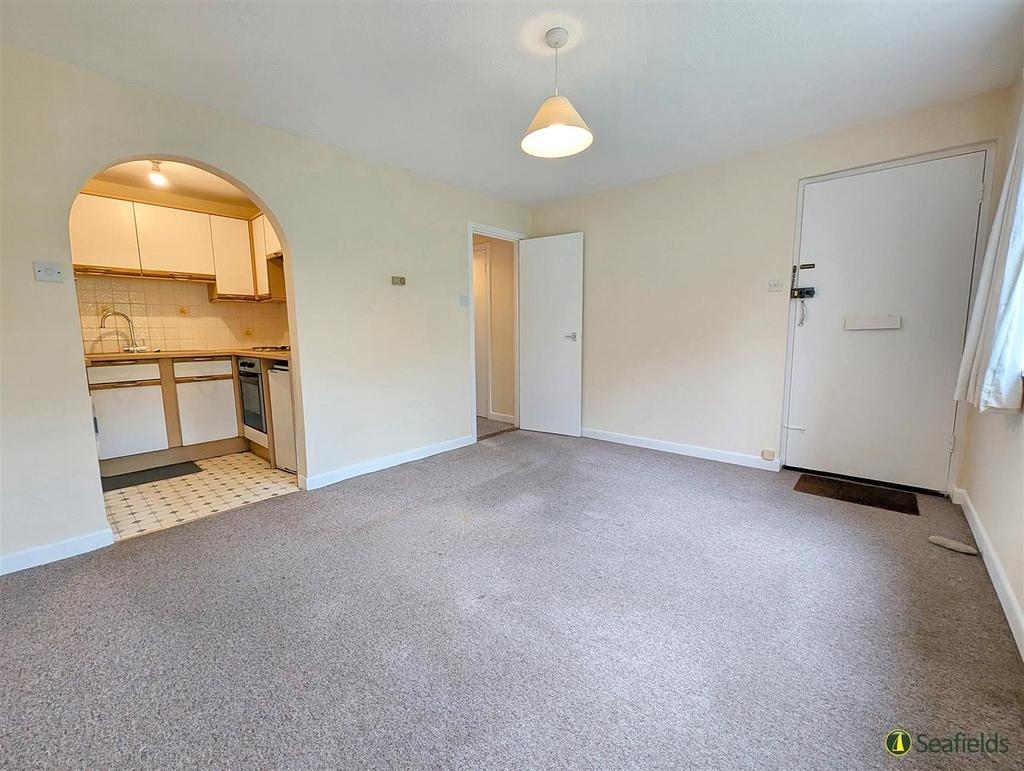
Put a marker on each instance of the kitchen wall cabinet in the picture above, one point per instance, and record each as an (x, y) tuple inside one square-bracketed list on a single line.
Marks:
[(174, 242), (232, 258), (103, 236), (111, 236), (270, 235), (259, 252), (275, 272), (129, 419)]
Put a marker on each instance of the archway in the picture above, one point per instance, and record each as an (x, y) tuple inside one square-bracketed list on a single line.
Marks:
[(182, 289)]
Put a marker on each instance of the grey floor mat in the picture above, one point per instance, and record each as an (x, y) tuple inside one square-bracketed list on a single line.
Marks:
[(149, 475)]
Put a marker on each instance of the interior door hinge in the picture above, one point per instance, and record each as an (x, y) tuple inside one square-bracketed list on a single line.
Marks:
[(952, 444)]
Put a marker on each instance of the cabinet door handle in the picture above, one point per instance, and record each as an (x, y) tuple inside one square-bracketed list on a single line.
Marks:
[(203, 378)]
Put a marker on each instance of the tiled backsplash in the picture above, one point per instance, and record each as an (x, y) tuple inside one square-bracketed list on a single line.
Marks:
[(173, 315)]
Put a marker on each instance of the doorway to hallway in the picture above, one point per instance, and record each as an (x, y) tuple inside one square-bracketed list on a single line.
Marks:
[(494, 324)]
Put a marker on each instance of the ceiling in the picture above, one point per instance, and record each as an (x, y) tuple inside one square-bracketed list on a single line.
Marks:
[(446, 90), (182, 179)]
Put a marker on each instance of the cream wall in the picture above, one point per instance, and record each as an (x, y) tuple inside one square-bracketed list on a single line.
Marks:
[(502, 332), (384, 370), (991, 484), (683, 343), (992, 476)]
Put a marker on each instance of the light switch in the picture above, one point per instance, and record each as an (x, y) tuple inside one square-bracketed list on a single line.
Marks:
[(464, 300), (776, 285), (49, 271)]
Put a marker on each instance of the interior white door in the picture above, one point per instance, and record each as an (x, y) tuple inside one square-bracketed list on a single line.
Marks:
[(481, 303), (876, 350), (550, 334)]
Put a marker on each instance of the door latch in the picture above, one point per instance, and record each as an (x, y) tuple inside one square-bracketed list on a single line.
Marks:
[(800, 292)]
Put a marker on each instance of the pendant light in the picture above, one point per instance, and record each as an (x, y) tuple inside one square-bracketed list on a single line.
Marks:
[(557, 130), (156, 176)]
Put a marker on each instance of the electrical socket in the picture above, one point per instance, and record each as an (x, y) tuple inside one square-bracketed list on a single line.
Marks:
[(52, 272)]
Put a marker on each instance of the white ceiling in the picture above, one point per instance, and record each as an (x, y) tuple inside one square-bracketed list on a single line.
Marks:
[(447, 89), (182, 179)]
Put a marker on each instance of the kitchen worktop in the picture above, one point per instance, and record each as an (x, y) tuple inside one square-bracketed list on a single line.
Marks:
[(93, 358)]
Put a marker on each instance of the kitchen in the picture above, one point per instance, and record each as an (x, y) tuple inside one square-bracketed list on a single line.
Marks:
[(181, 292)]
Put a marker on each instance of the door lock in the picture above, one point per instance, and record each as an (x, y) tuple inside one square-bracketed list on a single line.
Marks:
[(800, 292)]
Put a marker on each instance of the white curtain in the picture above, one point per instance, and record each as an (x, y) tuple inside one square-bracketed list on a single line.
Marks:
[(990, 373)]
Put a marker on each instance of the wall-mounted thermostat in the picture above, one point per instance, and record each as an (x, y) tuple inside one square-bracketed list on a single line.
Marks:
[(49, 271), (398, 280)]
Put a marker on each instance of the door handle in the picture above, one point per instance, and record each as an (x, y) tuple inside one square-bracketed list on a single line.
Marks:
[(571, 336)]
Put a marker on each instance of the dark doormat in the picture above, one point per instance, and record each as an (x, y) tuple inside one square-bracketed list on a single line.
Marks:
[(855, 492), (149, 475)]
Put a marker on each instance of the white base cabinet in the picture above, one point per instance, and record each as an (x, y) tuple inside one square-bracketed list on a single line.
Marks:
[(207, 410), (129, 420)]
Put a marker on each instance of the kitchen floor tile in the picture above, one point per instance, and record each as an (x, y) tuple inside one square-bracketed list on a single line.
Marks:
[(224, 483)]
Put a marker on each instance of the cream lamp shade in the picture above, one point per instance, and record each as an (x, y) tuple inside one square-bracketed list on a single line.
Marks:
[(557, 130)]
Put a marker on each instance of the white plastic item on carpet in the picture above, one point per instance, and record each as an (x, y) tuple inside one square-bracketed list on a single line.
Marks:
[(949, 543)]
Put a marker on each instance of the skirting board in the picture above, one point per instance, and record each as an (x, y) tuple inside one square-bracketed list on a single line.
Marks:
[(1009, 601), (501, 417), (379, 464), (723, 456), (51, 552)]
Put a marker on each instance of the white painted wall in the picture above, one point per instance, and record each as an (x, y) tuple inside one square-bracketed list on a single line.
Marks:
[(683, 343), (384, 371)]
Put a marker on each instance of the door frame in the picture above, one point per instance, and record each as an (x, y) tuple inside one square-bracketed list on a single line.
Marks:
[(481, 229), (487, 338), (989, 148)]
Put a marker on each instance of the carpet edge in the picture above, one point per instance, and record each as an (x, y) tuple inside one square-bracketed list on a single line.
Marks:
[(1004, 590)]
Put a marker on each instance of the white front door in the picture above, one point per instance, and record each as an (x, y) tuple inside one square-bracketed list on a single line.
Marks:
[(877, 349), (551, 334), (481, 326)]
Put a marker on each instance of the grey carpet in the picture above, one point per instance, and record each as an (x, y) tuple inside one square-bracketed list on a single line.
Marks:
[(485, 427), (530, 601)]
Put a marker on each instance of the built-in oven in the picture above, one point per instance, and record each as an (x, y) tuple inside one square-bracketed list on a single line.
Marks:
[(250, 383)]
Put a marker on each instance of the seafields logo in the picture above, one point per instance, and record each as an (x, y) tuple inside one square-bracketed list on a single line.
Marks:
[(898, 742)]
